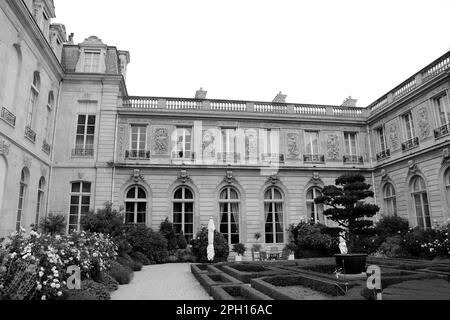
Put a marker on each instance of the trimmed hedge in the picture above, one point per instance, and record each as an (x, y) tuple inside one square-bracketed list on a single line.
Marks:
[(121, 274), (109, 281), (100, 290), (150, 243), (140, 257), (237, 292)]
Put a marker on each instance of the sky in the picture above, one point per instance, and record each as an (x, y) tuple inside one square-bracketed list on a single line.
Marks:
[(316, 52)]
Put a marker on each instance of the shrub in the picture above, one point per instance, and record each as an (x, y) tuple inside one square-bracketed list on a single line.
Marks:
[(200, 244), (182, 243), (80, 295), (185, 255), (53, 224), (126, 261), (106, 220), (391, 226), (150, 243), (120, 273), (172, 259), (311, 240), (140, 257), (99, 290), (166, 229), (239, 248), (109, 281), (392, 247)]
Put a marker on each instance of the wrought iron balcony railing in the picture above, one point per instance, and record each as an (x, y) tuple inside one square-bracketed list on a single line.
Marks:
[(46, 147), (314, 158), (180, 155), (83, 152), (8, 117), (137, 154), (227, 157), (30, 134), (410, 144), (383, 155), (272, 157), (442, 131), (354, 159)]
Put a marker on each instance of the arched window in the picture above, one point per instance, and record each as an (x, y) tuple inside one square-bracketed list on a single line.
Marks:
[(2, 180), (390, 200), (183, 212), (420, 202), (22, 195), (136, 206), (273, 209), (229, 214), (50, 105), (40, 200), (80, 202), (34, 95), (314, 211)]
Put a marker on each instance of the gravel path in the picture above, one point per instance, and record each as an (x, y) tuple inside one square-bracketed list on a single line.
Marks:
[(162, 282)]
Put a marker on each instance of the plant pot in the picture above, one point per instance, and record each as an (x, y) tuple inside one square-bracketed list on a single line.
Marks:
[(238, 258), (351, 263)]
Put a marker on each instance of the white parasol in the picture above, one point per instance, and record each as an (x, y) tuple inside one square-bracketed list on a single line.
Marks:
[(210, 250)]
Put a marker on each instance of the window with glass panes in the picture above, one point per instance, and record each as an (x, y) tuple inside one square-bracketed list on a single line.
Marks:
[(138, 141), (274, 211), (40, 200), (271, 141), (350, 143), (420, 202), (447, 185), (442, 106), (381, 139), (184, 142), (91, 62), (34, 95), (183, 212), (408, 126), (390, 200), (85, 132), (312, 142), (229, 141), (229, 204), (136, 206), (22, 194), (50, 104), (314, 211), (80, 202)]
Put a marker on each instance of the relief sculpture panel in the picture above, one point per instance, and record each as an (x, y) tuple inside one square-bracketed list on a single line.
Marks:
[(423, 120), (333, 147), (161, 141), (293, 145), (393, 134)]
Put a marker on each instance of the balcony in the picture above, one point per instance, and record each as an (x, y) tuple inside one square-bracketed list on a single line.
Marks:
[(8, 117), (383, 155), (272, 157), (353, 159), (46, 147), (83, 152), (137, 155), (229, 157), (442, 131), (410, 144), (30, 134), (183, 156), (314, 158)]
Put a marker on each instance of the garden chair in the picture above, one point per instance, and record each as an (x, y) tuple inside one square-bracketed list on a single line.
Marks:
[(256, 255)]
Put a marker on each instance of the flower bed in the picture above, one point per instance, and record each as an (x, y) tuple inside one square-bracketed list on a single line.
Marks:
[(209, 280), (246, 272), (237, 292)]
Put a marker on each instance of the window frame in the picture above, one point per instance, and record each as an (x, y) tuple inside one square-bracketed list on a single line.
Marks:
[(390, 200), (40, 200), (88, 66), (81, 194), (273, 201), (23, 190), (422, 195), (184, 150), (408, 126), (349, 145), (85, 134), (135, 201), (309, 141), (183, 202), (381, 139), (446, 107), (315, 206), (139, 134), (229, 203)]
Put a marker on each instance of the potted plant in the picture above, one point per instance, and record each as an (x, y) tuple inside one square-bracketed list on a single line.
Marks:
[(240, 249), (347, 208), (291, 248)]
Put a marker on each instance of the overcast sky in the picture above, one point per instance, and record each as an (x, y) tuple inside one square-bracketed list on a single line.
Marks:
[(319, 51)]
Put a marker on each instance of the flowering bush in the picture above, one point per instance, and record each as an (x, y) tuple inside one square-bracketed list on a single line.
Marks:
[(313, 239), (49, 257)]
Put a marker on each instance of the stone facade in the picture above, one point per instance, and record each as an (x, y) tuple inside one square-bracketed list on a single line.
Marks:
[(91, 143)]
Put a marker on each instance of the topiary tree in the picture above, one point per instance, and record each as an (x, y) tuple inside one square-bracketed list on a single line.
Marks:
[(166, 229), (347, 209)]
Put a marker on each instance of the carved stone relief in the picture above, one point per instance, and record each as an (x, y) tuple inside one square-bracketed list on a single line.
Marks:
[(251, 143), (424, 122), (27, 161), (293, 145), (4, 147), (161, 141), (333, 147), (121, 146), (393, 135), (209, 144)]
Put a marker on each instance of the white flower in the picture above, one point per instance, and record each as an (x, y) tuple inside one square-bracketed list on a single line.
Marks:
[(59, 293), (57, 286), (41, 274), (53, 285), (44, 298), (39, 287)]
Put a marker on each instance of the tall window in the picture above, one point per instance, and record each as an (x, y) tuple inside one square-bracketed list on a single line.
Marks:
[(229, 214), (314, 211), (40, 200), (390, 200), (271, 141), (138, 141), (229, 140), (50, 105), (408, 125), (420, 202), (136, 206), (80, 202), (92, 62), (273, 208), (183, 212), (2, 179), (381, 139), (350, 143), (22, 195), (312, 142), (442, 107), (85, 134), (184, 143), (34, 95)]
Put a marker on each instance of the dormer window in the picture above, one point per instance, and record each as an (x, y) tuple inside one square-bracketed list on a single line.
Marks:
[(91, 61)]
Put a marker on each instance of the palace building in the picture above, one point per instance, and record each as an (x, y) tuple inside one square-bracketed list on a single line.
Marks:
[(72, 139)]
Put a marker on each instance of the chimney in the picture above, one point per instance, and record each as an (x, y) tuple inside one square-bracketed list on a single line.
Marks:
[(71, 38), (280, 98), (349, 102), (201, 94)]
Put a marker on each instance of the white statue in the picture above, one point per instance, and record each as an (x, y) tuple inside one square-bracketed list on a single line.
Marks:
[(210, 250), (342, 244)]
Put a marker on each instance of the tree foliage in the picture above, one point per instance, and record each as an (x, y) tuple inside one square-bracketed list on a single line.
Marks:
[(347, 207)]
